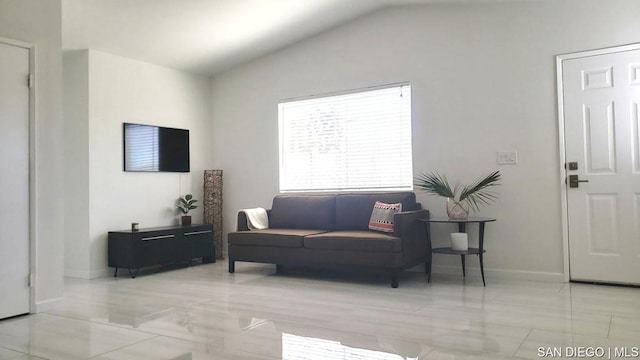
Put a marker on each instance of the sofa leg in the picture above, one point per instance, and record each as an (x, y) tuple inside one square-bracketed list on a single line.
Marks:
[(394, 278), (232, 266)]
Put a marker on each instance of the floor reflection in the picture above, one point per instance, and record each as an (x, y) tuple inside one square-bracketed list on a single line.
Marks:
[(137, 315), (296, 347), (203, 313), (187, 356)]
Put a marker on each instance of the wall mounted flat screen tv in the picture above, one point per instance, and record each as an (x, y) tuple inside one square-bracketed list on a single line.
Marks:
[(150, 148)]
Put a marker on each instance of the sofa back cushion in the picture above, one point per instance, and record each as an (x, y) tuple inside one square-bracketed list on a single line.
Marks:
[(303, 212), (353, 210)]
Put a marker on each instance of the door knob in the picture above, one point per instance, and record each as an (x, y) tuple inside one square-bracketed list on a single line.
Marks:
[(574, 181)]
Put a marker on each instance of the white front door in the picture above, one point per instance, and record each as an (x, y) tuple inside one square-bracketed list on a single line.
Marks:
[(14, 180), (602, 135)]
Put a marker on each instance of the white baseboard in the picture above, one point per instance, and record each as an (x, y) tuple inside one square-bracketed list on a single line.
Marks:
[(495, 273), (45, 305), (501, 273), (87, 275), (101, 273)]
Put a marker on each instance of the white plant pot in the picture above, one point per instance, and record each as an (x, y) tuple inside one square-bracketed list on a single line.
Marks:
[(459, 242)]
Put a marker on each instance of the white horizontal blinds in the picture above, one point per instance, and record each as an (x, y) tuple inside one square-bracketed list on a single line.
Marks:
[(355, 141), (142, 148)]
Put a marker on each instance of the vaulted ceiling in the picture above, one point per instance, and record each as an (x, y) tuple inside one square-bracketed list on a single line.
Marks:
[(205, 36)]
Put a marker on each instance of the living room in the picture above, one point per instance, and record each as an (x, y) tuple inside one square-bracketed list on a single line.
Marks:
[(483, 81), (458, 81)]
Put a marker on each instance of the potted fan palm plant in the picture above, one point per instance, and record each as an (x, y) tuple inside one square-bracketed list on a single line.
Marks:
[(460, 198), (184, 205)]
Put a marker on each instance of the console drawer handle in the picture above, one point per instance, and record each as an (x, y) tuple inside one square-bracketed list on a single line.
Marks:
[(157, 237), (197, 232)]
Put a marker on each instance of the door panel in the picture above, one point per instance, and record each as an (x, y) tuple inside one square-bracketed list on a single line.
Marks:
[(635, 133), (601, 95), (14, 180), (600, 139), (634, 74), (603, 224)]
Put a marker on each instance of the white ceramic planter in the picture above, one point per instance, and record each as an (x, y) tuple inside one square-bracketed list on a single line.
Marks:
[(459, 242)]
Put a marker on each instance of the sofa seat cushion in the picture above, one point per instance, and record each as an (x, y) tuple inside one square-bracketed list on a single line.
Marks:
[(354, 241), (271, 237)]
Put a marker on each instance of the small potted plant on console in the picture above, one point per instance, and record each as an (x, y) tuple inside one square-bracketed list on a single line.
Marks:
[(184, 205)]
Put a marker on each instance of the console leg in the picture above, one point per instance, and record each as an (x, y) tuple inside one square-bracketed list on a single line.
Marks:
[(463, 270), (394, 278), (115, 274), (133, 274), (232, 266)]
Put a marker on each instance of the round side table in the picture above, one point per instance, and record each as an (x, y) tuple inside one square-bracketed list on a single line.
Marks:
[(462, 226)]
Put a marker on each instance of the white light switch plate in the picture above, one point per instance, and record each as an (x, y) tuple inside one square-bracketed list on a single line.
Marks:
[(507, 157)]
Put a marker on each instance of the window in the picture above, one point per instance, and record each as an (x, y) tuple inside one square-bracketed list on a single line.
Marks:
[(355, 141)]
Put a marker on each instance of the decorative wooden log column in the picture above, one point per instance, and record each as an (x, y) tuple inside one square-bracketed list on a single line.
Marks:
[(213, 206)]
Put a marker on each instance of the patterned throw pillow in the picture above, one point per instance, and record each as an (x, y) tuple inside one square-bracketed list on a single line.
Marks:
[(382, 216)]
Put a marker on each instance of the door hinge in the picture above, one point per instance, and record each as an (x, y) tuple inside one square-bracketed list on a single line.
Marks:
[(29, 80)]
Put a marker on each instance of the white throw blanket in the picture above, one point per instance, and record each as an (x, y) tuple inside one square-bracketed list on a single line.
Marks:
[(256, 218)]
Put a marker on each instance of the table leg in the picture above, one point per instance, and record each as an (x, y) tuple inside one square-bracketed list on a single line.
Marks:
[(462, 227), (428, 255), (481, 250), (427, 266), (482, 270)]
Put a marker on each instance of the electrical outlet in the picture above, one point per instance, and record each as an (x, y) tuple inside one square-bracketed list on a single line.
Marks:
[(507, 157)]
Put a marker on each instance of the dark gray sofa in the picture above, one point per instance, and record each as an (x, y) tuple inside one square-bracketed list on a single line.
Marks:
[(333, 229)]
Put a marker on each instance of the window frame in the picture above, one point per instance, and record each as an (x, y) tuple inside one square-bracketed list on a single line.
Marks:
[(406, 186)]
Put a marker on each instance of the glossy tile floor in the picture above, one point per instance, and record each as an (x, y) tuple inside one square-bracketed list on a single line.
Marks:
[(202, 312)]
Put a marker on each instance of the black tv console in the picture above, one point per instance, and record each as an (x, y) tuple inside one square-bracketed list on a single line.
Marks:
[(159, 246)]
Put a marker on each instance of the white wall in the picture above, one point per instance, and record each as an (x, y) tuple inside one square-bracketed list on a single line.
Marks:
[(76, 160), (483, 81), (123, 90), (38, 22)]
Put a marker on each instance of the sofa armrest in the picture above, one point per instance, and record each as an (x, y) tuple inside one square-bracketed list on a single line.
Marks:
[(412, 232), (241, 225)]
